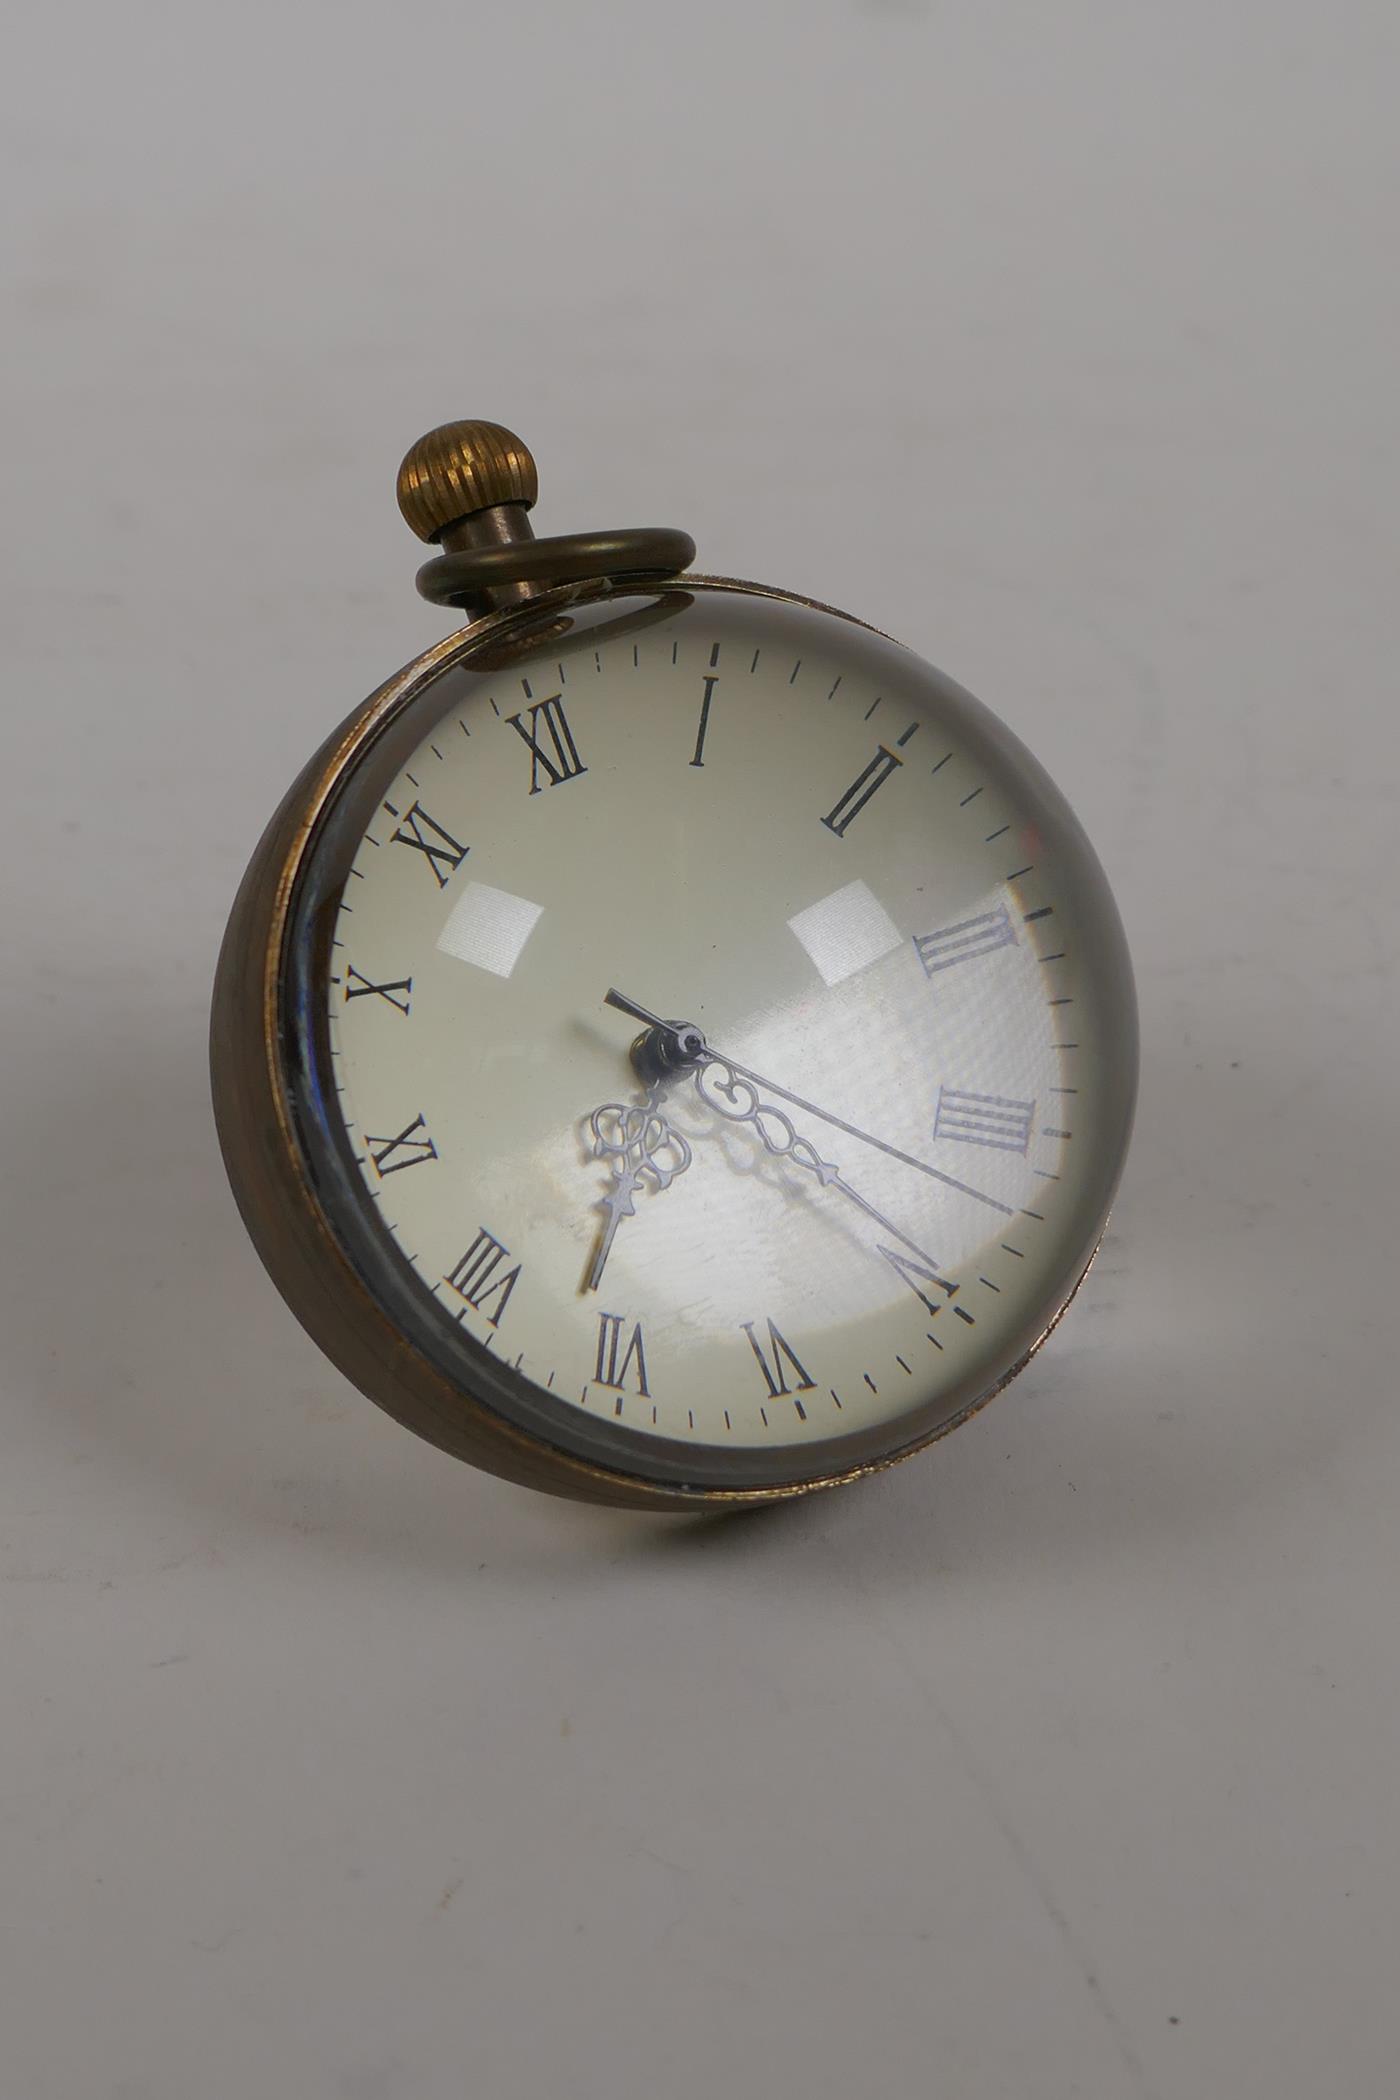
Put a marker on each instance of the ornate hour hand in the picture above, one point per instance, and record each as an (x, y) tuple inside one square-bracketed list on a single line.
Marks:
[(639, 1145), (677, 1046)]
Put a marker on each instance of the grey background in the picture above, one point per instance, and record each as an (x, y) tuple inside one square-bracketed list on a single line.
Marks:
[(1062, 341)]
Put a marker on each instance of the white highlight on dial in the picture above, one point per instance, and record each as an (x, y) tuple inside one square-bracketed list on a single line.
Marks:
[(846, 932), (489, 928)]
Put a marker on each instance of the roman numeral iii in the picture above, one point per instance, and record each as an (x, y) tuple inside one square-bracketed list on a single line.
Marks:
[(478, 1276), (963, 942), (984, 1119), (776, 1361), (438, 847), (614, 1362), (558, 763), (412, 1141)]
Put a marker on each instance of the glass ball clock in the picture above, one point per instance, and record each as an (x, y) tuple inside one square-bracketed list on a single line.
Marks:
[(671, 1046)]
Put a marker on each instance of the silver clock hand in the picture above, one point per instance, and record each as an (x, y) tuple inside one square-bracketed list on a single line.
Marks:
[(680, 1045), (637, 1142), (729, 1100)]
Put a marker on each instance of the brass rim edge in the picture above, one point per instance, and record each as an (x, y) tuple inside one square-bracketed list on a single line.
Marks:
[(360, 732)]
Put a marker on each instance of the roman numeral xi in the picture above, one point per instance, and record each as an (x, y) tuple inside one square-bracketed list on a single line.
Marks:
[(438, 847)]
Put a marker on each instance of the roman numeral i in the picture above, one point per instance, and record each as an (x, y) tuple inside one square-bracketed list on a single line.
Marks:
[(560, 762)]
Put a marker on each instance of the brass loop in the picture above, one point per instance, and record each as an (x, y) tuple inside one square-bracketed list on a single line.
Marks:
[(570, 557)]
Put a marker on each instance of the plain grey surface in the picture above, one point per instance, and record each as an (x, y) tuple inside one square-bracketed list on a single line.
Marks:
[(1060, 1763)]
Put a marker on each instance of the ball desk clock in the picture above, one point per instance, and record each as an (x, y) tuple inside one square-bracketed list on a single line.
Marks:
[(671, 1047)]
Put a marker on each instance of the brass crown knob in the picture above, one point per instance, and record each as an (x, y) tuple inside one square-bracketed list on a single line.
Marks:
[(460, 468)]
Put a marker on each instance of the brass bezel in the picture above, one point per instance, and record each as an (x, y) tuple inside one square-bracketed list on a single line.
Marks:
[(269, 1172)]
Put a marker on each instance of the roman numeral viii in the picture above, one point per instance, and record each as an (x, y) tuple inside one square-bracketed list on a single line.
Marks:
[(438, 847), (412, 1141), (984, 1119), (775, 1363), (558, 763), (478, 1278), (614, 1362), (961, 943)]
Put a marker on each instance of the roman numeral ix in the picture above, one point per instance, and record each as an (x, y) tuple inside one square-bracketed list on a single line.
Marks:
[(441, 850), (477, 1276), (969, 938), (775, 1366), (412, 1141), (984, 1119), (614, 1362), (358, 986), (561, 761)]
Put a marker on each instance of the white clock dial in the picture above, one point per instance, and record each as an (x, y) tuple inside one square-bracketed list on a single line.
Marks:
[(874, 1185)]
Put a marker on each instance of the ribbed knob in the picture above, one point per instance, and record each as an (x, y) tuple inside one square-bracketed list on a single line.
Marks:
[(460, 468)]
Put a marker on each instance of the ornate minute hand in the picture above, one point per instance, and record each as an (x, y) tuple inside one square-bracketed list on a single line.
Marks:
[(676, 1046)]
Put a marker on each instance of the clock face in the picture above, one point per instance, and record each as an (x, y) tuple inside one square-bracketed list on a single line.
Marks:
[(886, 1043)]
